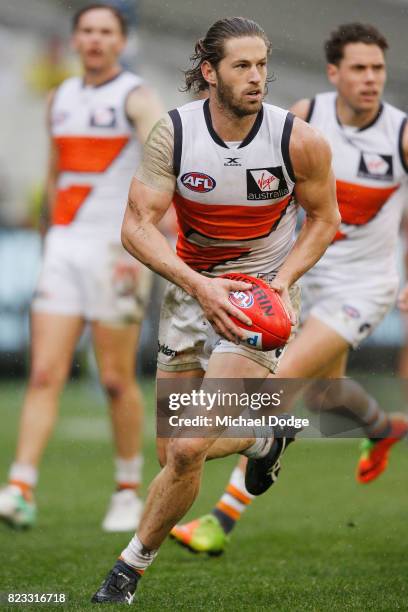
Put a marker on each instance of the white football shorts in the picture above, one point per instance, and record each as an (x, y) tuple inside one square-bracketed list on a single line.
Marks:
[(187, 340), (93, 277), (353, 308)]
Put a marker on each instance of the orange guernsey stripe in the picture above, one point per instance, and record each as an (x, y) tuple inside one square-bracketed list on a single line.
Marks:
[(68, 202), (359, 204), (229, 222), (205, 258), (231, 512), (86, 154), (244, 499)]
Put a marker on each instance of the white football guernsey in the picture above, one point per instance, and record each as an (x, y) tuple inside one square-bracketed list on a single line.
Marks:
[(97, 153), (371, 182), (235, 206)]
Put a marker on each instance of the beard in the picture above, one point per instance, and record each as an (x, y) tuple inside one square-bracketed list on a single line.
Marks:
[(234, 105)]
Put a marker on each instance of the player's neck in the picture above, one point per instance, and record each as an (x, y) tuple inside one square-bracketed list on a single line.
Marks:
[(98, 77), (227, 125), (348, 116)]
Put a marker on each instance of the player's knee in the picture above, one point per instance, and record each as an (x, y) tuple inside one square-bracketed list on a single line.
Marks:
[(185, 454), (45, 378), (113, 384), (325, 395)]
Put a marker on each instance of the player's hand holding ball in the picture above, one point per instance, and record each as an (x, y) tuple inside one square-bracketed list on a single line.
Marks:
[(266, 306), (227, 319)]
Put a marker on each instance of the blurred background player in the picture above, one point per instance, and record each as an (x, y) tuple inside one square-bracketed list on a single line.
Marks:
[(97, 124), (353, 286)]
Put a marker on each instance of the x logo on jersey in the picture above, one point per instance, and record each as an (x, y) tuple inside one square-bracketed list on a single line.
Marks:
[(232, 161)]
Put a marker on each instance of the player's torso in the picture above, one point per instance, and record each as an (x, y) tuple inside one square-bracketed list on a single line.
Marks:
[(97, 153), (234, 205), (370, 176)]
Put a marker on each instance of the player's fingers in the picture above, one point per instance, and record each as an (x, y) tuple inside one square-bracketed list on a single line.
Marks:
[(232, 285), (291, 313), (238, 314), (227, 323), (222, 329), (287, 303)]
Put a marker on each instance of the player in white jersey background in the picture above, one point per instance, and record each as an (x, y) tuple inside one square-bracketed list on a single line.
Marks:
[(96, 124), (352, 287), (219, 204)]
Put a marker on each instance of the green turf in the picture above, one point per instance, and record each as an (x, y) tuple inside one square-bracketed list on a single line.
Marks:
[(317, 541)]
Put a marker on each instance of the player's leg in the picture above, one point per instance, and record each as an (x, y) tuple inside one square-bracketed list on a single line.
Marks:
[(175, 488), (210, 533), (323, 343), (115, 350), (53, 340)]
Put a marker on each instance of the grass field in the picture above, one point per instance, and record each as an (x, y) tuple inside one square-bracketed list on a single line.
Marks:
[(317, 541)]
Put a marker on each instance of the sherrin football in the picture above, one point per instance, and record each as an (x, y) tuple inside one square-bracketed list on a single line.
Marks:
[(271, 325)]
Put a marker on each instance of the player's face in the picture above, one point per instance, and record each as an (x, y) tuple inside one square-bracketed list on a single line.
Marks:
[(240, 77), (360, 76), (98, 39)]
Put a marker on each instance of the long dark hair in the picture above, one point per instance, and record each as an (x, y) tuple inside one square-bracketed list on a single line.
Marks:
[(211, 48)]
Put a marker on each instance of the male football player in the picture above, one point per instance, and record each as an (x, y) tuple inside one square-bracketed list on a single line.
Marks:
[(97, 124), (352, 287), (230, 219)]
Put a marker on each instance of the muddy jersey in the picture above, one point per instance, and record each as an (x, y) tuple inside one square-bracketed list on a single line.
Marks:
[(235, 206), (97, 153), (371, 180)]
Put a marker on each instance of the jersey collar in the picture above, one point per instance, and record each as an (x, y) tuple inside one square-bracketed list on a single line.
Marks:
[(364, 127), (248, 138), (116, 76)]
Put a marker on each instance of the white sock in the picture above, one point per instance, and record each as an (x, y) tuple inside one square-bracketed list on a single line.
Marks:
[(128, 471), (24, 472), (137, 556), (259, 448), (375, 419)]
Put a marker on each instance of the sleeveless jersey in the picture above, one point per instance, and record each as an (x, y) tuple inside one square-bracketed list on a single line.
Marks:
[(235, 206), (371, 185), (97, 153)]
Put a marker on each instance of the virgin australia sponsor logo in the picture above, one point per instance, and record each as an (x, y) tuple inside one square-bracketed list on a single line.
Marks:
[(266, 184)]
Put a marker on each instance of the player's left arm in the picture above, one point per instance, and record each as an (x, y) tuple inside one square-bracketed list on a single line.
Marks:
[(144, 110), (403, 295), (316, 192)]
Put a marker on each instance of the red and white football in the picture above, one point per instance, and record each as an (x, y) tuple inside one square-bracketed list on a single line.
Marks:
[(271, 325)]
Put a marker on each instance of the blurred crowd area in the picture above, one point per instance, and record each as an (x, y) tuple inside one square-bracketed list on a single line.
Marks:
[(35, 56)]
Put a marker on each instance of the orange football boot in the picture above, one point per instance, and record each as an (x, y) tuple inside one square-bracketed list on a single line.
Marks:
[(374, 456)]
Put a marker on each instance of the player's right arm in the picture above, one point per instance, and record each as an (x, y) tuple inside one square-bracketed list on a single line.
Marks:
[(151, 194), (52, 169)]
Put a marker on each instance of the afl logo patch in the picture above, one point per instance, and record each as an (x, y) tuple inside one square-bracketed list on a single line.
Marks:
[(351, 311), (241, 299), (197, 181)]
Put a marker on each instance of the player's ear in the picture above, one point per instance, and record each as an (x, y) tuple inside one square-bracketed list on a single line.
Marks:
[(209, 73), (332, 72)]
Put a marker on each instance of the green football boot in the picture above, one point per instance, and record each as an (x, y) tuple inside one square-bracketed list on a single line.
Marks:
[(15, 509), (204, 535)]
